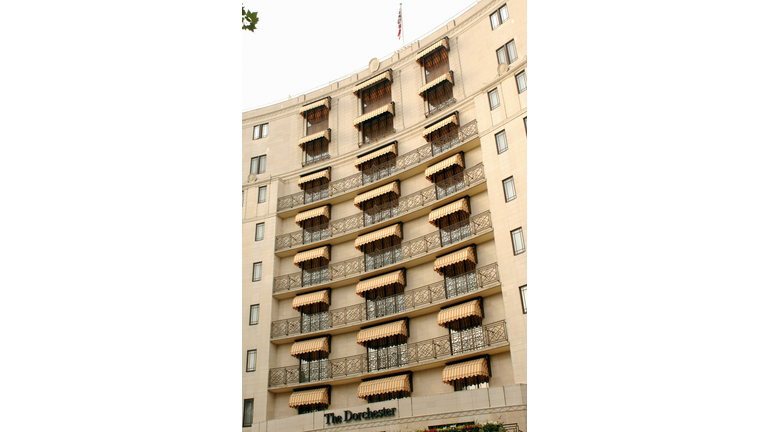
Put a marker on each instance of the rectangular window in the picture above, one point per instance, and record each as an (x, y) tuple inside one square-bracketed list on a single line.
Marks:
[(507, 53), (260, 131), (250, 364), (467, 339), (509, 189), (262, 194), (248, 413), (254, 315), (472, 383), (501, 142), (493, 97), (258, 164), (525, 123), (523, 290), (259, 231), (256, 272), (501, 55), (499, 17), (521, 83), (517, 241)]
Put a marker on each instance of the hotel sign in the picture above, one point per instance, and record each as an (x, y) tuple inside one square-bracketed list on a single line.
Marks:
[(365, 415)]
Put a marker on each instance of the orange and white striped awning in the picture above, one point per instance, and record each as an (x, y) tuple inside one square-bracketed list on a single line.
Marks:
[(442, 43), (393, 187), (467, 369), (392, 148), (314, 176), (309, 397), (390, 231), (392, 384), (455, 313), (444, 164), (321, 252), (453, 119), (309, 346), (448, 76), (322, 134), (382, 331), (309, 214), (388, 108), (396, 277), (438, 213), (466, 254), (326, 102), (386, 75), (311, 298)]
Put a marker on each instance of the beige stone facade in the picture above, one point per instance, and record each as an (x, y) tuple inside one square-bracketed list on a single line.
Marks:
[(456, 118)]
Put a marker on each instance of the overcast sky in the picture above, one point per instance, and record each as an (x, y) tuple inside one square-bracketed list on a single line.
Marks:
[(301, 45)]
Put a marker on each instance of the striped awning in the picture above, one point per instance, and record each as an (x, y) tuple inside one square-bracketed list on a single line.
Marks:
[(442, 43), (390, 231), (388, 108), (321, 252), (467, 369), (380, 281), (466, 254), (309, 214), (308, 397), (309, 346), (441, 124), (326, 102), (448, 76), (322, 134), (464, 310), (387, 75), (456, 159), (382, 331), (392, 148), (385, 385), (314, 176), (393, 187), (311, 298), (460, 205)]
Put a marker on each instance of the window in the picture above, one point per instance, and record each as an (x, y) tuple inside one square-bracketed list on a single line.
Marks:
[(254, 314), (525, 123), (499, 17), (493, 97), (467, 339), (470, 383), (248, 413), (259, 231), (250, 364), (262, 194), (260, 131), (523, 290), (517, 241), (521, 84), (501, 142), (258, 164), (314, 369), (509, 189), (256, 272), (507, 53)]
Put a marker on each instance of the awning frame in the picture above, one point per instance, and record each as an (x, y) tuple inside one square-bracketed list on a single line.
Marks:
[(363, 239), (372, 81), (389, 108), (439, 44), (446, 77), (367, 158), (487, 358), (390, 339), (292, 400), (323, 102), (440, 270), (436, 126), (408, 377), (434, 220), (361, 289), (459, 323)]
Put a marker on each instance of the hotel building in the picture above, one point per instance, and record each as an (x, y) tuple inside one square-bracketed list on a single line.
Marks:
[(384, 233)]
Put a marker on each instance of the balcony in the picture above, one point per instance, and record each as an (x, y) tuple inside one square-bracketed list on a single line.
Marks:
[(408, 163), (355, 316), (425, 353), (407, 208), (425, 247)]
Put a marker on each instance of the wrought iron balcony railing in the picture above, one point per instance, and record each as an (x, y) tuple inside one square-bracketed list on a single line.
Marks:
[(435, 109), (475, 225), (455, 286), (401, 206), (401, 163), (406, 355)]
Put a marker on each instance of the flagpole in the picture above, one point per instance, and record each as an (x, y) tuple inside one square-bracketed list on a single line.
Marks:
[(402, 24)]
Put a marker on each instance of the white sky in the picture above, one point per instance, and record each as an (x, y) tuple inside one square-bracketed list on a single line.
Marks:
[(302, 45)]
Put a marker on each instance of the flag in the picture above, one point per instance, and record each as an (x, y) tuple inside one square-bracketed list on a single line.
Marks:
[(400, 21)]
